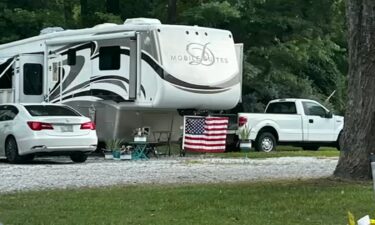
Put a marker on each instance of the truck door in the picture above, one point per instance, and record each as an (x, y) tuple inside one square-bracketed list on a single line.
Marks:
[(29, 79), (319, 128)]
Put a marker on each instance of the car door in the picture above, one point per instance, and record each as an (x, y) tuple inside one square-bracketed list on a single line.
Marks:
[(319, 127)]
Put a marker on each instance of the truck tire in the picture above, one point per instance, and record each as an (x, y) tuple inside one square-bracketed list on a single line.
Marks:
[(265, 142)]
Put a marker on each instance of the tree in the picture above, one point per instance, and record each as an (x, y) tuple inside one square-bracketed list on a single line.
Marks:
[(358, 137), (113, 6), (172, 12)]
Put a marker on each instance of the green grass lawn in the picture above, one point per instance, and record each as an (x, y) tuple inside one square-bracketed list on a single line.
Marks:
[(278, 203), (282, 151)]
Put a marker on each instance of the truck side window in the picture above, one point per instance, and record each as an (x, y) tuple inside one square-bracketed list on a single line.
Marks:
[(282, 108), (109, 58), (313, 109), (32, 79)]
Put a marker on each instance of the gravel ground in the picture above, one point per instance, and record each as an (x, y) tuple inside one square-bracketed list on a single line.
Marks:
[(61, 173)]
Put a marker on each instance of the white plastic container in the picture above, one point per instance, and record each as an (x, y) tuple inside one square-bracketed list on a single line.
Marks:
[(140, 138)]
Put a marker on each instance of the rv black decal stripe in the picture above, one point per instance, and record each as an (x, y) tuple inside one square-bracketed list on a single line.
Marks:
[(114, 77), (167, 76), (74, 72), (64, 50), (102, 79), (102, 94), (114, 82)]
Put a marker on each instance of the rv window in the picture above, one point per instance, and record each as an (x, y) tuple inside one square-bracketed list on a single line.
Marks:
[(32, 79), (72, 57), (109, 58)]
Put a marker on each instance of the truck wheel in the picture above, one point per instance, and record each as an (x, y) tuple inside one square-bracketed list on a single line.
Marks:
[(266, 142), (311, 148)]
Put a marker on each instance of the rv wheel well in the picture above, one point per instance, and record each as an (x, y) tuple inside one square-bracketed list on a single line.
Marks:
[(269, 129)]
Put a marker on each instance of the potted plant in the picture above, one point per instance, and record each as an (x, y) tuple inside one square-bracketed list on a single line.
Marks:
[(244, 136), (113, 149)]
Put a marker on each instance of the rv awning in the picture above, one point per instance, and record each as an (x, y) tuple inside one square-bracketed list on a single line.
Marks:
[(67, 40)]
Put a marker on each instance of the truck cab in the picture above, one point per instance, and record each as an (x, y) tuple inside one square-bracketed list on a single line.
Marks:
[(299, 122)]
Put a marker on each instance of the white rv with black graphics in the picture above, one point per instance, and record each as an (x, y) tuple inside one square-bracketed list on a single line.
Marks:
[(138, 74)]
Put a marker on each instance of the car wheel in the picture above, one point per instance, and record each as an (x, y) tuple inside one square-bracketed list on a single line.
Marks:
[(78, 157), (311, 148), (266, 142), (11, 151)]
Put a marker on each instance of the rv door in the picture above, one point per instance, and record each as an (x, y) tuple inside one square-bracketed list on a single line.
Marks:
[(54, 77), (29, 78)]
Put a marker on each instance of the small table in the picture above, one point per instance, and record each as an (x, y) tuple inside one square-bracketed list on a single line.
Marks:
[(140, 149)]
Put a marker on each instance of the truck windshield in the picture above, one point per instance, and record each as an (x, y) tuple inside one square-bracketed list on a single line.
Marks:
[(282, 108)]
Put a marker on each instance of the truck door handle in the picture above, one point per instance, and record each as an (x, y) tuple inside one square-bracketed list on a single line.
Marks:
[(311, 121)]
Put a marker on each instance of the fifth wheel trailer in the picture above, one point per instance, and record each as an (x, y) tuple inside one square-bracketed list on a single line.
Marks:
[(138, 74)]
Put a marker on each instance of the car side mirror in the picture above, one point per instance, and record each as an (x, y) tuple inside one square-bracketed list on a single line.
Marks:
[(329, 115)]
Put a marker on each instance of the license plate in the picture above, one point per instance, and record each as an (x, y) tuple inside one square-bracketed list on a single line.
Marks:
[(68, 128)]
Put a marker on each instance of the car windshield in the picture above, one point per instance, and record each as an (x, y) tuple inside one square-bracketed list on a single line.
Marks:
[(50, 110)]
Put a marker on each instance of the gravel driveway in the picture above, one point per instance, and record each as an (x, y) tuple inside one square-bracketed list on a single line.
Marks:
[(61, 173)]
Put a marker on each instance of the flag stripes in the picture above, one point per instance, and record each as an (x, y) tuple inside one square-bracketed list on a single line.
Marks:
[(205, 134)]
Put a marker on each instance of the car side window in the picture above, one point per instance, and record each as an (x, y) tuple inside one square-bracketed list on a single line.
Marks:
[(313, 109), (282, 108), (8, 112)]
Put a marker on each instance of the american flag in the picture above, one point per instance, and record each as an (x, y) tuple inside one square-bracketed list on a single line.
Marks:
[(205, 134)]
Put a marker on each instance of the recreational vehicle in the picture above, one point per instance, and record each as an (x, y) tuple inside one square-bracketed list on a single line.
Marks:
[(138, 74)]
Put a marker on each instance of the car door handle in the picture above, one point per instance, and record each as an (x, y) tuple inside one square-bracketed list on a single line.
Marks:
[(311, 121)]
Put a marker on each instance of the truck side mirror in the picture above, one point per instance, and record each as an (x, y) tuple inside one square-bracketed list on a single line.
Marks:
[(329, 115)]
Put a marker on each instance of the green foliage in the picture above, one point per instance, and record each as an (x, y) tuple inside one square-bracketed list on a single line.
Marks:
[(211, 14), (114, 144), (292, 48), (244, 133)]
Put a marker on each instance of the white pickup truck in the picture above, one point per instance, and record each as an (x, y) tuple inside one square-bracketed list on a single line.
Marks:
[(298, 122)]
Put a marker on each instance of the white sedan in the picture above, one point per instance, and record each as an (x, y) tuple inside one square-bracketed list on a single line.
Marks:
[(27, 130)]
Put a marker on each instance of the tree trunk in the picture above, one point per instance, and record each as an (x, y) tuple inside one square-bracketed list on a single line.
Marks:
[(172, 12), (358, 139), (113, 6)]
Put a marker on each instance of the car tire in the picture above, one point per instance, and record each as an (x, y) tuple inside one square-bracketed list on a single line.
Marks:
[(78, 157), (265, 142), (311, 148), (11, 151)]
